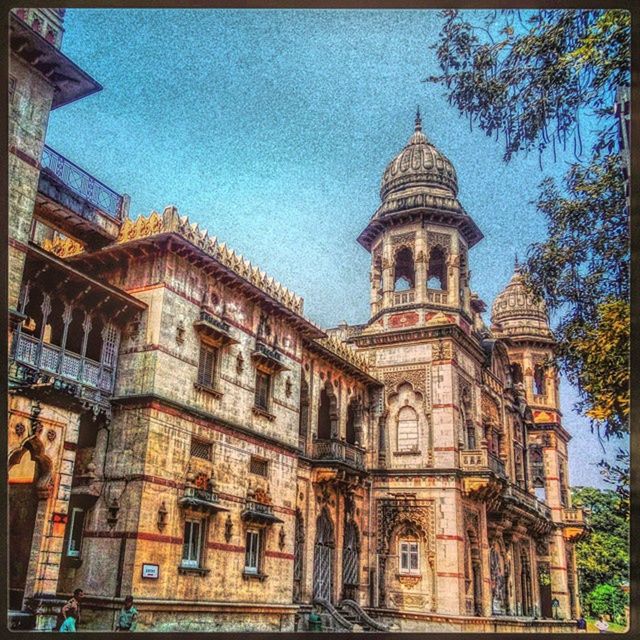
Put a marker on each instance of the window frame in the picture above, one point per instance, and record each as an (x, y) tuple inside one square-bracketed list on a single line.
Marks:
[(401, 446), (261, 376), (253, 553), (189, 563), (405, 550), (212, 373), (76, 552)]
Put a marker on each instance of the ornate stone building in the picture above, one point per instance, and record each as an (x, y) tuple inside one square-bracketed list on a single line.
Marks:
[(179, 430)]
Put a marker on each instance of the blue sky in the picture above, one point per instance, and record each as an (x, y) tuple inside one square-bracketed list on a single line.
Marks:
[(272, 128)]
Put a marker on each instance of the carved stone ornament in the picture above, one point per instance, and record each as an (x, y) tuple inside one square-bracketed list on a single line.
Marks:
[(408, 581), (20, 429), (180, 331), (51, 435)]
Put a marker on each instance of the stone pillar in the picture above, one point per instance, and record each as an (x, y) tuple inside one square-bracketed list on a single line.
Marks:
[(387, 274), (420, 253)]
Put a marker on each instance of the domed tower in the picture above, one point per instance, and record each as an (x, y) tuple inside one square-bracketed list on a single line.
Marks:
[(418, 238), (521, 322)]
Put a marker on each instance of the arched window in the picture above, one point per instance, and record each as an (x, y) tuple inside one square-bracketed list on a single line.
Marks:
[(350, 561), (75, 332), (352, 422), (538, 380), (436, 272), (516, 373), (404, 273), (298, 557), (327, 413), (323, 558), (304, 410), (407, 429)]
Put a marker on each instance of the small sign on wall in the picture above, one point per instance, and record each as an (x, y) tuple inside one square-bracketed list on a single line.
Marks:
[(151, 571)]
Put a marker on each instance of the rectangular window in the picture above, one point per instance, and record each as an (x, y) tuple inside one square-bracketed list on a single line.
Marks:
[(263, 387), (192, 545), (259, 466), (207, 366), (252, 552), (76, 526), (409, 557), (200, 449), (471, 436)]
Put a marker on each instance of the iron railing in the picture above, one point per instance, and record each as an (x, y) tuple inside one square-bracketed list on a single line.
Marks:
[(205, 316), (204, 495), (268, 352), (261, 508), (51, 359), (339, 451), (481, 459), (529, 500), (82, 183)]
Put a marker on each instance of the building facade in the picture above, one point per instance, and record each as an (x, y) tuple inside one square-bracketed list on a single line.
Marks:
[(180, 431)]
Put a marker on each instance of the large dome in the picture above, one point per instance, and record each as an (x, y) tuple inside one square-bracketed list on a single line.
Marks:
[(419, 167), (515, 312)]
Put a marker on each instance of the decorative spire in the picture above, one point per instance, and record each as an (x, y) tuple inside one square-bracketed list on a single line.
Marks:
[(516, 264), (418, 119)]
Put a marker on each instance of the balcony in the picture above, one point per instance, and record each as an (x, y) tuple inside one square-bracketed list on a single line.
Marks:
[(64, 366), (479, 460), (336, 451), (77, 203), (516, 494), (259, 513), (200, 500), (269, 357), (214, 329), (575, 525), (404, 297)]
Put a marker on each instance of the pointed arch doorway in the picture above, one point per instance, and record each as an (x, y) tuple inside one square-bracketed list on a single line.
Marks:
[(323, 558)]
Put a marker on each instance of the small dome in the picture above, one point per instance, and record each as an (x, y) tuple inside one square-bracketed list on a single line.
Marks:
[(419, 167), (516, 312)]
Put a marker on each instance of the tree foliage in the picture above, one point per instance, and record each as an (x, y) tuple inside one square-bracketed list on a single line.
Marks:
[(607, 599), (534, 78), (603, 558)]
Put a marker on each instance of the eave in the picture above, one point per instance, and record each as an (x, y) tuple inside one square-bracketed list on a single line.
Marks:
[(173, 242), (341, 363), (464, 223), (43, 259), (70, 82)]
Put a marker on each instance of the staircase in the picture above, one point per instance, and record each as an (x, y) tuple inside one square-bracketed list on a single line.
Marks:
[(355, 614)]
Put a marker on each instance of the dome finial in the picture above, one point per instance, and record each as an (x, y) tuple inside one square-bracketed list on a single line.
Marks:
[(418, 119), (516, 264)]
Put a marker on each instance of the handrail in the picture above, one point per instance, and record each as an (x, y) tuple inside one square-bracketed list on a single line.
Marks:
[(83, 183), (363, 615), (334, 613)]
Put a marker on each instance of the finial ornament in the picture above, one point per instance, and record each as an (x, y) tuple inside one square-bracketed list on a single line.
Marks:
[(516, 263), (418, 119)]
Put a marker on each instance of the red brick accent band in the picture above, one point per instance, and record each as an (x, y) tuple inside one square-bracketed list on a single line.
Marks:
[(69, 446), (278, 554), (133, 535), (225, 547), (442, 536), (442, 574), (158, 406), (445, 448), (444, 406), (25, 157)]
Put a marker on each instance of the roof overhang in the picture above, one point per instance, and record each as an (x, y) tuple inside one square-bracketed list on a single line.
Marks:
[(39, 260), (71, 83), (458, 220), (171, 241)]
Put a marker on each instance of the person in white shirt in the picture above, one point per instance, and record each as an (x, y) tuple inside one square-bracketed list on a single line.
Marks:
[(602, 625)]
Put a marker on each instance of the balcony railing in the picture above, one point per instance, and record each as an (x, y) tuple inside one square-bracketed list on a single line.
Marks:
[(529, 500), (573, 515), (268, 352), (205, 316), (339, 451), (259, 512), (404, 297), (82, 183), (481, 460), (437, 297), (66, 365), (201, 499)]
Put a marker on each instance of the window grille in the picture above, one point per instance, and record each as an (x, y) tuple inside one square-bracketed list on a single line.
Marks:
[(259, 466), (207, 366), (263, 387), (252, 553), (200, 449), (192, 544), (110, 345)]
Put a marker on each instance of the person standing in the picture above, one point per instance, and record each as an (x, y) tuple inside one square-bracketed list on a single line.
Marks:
[(69, 625), (128, 618), (581, 624), (71, 608), (602, 625)]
